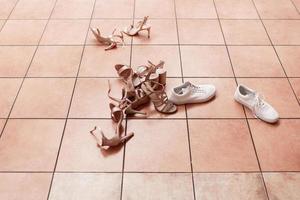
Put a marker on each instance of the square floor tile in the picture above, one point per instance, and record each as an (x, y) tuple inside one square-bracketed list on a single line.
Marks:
[(22, 32), (164, 33), (114, 9), (195, 9), (244, 32), (30, 145), (290, 59), (150, 149), (296, 86), (277, 145), (75, 9), (221, 145), (106, 27), (169, 54), (29, 186), (33, 9), (283, 185), (88, 186), (11, 87), (255, 61), (97, 62), (79, 151), (14, 60), (90, 98), (286, 103), (157, 186), (56, 61), (199, 32), (232, 9), (284, 32), (222, 106), (154, 8), (44, 98), (205, 61), (6, 8), (235, 186), (281, 9), (65, 32)]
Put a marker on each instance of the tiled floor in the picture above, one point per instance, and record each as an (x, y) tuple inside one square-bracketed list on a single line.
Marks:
[(53, 83)]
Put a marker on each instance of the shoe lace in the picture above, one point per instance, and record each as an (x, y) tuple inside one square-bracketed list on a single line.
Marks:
[(197, 89), (259, 104)]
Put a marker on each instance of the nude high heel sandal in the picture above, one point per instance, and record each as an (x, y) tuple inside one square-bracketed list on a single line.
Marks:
[(126, 73), (140, 26), (158, 74), (110, 40)]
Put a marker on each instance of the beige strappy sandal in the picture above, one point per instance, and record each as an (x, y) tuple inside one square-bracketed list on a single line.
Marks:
[(110, 40), (140, 26), (157, 73), (126, 73)]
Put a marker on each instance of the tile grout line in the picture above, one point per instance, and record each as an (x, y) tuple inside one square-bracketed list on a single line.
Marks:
[(185, 108), (71, 99), (246, 118), (126, 119), (295, 6), (5, 20)]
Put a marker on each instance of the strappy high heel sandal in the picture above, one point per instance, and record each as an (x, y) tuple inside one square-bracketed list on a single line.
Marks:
[(158, 74), (159, 97), (110, 40), (140, 26), (126, 73)]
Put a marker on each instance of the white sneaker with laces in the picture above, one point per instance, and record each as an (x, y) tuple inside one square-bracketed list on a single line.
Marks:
[(189, 93), (252, 100)]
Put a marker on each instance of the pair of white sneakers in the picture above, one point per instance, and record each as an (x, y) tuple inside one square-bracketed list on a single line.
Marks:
[(189, 93)]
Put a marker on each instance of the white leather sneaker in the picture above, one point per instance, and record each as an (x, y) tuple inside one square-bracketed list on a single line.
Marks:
[(252, 100), (189, 93)]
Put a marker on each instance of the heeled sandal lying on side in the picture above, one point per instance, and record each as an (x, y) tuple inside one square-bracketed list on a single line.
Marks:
[(110, 40), (140, 26), (126, 73), (158, 74)]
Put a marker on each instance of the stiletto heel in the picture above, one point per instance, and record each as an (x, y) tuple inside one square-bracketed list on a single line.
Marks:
[(140, 26)]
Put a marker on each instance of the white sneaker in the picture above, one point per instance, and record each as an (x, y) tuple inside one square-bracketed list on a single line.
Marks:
[(189, 93), (256, 104)]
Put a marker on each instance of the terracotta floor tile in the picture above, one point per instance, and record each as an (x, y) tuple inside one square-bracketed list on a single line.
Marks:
[(56, 61), (296, 86), (244, 32), (281, 9), (222, 106), (11, 87), (14, 60), (114, 9), (90, 97), (86, 186), (277, 145), (285, 103), (162, 146), (221, 145), (30, 145), (65, 32), (255, 61), (78, 143), (231, 9), (97, 62), (284, 31), (290, 59), (234, 186), (22, 32), (29, 186), (151, 111), (106, 27), (195, 9), (169, 54), (154, 8), (33, 9), (165, 33), (73, 9), (200, 32), (283, 185), (157, 186), (47, 98), (6, 8), (209, 61)]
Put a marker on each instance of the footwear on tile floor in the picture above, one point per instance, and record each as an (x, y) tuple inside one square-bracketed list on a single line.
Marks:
[(189, 93), (252, 100), (140, 26), (109, 40)]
